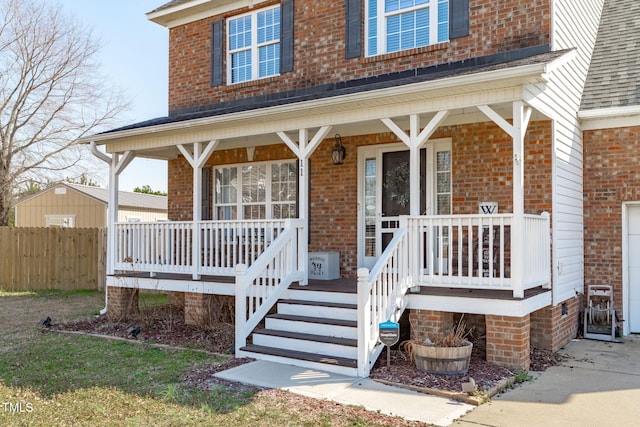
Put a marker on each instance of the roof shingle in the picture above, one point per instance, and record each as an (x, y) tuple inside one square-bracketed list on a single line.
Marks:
[(614, 73)]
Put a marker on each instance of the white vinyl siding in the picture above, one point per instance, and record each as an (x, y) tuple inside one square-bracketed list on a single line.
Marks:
[(575, 25), (395, 25)]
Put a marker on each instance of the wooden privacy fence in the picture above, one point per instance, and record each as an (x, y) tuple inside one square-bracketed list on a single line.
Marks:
[(52, 258)]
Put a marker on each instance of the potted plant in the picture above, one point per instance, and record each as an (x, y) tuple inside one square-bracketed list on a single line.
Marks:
[(447, 354)]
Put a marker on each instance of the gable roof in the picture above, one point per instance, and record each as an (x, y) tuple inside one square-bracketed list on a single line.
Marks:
[(170, 4), (614, 73), (125, 198)]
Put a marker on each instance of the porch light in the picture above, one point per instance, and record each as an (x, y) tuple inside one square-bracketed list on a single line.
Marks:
[(338, 153)]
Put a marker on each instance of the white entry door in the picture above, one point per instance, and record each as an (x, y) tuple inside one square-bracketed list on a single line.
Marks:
[(633, 263), (384, 192)]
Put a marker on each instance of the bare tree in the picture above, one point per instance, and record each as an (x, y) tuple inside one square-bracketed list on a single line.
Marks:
[(51, 93)]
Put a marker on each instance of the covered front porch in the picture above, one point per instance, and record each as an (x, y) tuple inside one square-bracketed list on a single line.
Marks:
[(449, 235)]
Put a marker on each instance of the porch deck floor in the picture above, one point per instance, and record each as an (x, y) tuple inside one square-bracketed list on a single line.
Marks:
[(346, 285), (350, 285), (496, 294)]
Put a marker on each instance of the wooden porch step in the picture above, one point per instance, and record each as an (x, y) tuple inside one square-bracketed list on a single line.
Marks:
[(308, 337), (319, 303), (301, 355), (320, 320)]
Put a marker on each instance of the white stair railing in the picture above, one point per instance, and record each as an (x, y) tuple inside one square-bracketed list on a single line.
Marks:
[(259, 286), (381, 296)]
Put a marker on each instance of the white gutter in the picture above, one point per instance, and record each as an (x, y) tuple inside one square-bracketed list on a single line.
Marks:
[(610, 112), (610, 118), (99, 154)]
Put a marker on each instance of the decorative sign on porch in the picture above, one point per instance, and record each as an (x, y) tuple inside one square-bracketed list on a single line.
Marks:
[(488, 208), (389, 335), (324, 265)]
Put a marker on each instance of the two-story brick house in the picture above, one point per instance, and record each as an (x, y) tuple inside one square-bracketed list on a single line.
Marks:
[(433, 144)]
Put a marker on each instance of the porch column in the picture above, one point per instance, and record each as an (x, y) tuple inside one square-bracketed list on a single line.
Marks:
[(517, 131), (508, 341), (415, 141), (197, 160), (117, 164), (303, 151)]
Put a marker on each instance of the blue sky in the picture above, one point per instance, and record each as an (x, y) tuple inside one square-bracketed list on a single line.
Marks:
[(134, 58)]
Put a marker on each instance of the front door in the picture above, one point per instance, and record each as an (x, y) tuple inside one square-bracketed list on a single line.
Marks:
[(384, 192)]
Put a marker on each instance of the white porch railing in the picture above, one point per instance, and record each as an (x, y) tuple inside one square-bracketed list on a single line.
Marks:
[(474, 251), (168, 247), (381, 296), (259, 286)]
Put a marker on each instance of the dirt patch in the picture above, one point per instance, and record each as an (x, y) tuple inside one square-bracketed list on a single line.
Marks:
[(20, 313), (165, 325), (160, 325)]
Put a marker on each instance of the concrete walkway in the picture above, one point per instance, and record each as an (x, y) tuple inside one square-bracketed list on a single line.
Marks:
[(599, 385), (349, 390)]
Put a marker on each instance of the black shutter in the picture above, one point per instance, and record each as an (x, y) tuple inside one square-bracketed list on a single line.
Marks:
[(206, 194), (286, 36), (458, 18), (217, 67), (353, 43)]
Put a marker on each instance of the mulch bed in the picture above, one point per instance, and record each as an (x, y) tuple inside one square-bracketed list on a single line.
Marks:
[(165, 325)]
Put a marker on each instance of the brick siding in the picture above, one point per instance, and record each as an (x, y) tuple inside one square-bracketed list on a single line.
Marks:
[(481, 170), (611, 177), (319, 53)]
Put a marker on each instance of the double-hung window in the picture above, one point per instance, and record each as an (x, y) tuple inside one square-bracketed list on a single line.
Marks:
[(254, 45), (395, 25), (256, 191)]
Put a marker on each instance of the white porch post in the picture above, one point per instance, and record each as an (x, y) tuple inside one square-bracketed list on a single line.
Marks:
[(415, 141), (303, 151), (197, 160), (517, 131), (117, 164), (303, 202)]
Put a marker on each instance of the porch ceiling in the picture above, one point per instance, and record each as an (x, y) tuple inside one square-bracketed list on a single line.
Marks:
[(350, 114)]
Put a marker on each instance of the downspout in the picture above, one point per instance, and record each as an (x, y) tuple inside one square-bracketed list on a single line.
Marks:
[(99, 154)]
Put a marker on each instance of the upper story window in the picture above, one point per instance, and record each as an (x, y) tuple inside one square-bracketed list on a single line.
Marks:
[(394, 25), (254, 45)]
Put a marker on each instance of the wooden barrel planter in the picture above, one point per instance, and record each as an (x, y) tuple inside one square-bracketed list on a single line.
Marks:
[(442, 360)]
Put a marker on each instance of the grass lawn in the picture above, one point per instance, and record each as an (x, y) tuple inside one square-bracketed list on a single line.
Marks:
[(49, 379)]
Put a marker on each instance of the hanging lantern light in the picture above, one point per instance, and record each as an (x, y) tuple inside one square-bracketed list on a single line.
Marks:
[(339, 152)]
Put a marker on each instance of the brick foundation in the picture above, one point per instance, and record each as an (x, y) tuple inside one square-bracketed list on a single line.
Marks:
[(427, 323), (175, 298), (551, 329), (122, 303), (508, 341), (204, 309), (196, 308)]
